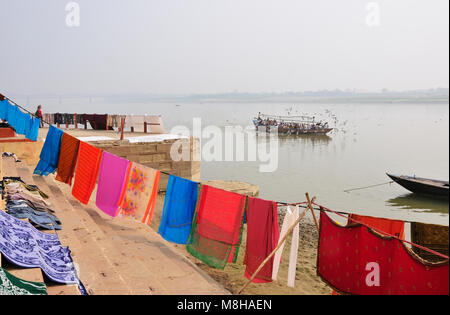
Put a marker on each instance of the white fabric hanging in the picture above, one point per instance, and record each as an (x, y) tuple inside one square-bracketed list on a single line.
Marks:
[(289, 219)]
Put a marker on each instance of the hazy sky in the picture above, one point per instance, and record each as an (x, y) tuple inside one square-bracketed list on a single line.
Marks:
[(210, 46)]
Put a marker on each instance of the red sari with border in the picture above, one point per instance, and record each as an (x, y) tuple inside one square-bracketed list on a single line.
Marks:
[(357, 260)]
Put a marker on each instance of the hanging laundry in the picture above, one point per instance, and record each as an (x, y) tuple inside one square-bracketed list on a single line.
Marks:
[(432, 236), (50, 153), (263, 233), (292, 215), (139, 193), (10, 285), (111, 180), (4, 104), (217, 227), (32, 130), (155, 123), (179, 209), (67, 158), (388, 226), (86, 172), (357, 260), (135, 121), (27, 247)]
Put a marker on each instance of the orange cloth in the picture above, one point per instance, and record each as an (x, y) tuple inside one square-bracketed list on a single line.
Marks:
[(139, 192), (67, 158), (392, 227), (86, 173)]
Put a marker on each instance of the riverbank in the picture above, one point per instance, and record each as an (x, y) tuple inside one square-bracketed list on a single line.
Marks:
[(232, 277)]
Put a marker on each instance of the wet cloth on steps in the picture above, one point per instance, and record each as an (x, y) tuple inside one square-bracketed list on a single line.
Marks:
[(263, 233), (179, 209), (67, 158), (86, 172), (50, 153), (217, 227), (357, 260), (111, 180)]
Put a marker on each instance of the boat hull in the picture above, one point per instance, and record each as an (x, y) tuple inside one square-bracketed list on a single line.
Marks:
[(422, 186)]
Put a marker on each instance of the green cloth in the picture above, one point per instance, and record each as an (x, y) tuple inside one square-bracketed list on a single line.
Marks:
[(10, 285)]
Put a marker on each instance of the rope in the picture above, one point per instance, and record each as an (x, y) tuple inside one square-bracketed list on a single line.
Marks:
[(382, 232), (348, 190), (26, 110)]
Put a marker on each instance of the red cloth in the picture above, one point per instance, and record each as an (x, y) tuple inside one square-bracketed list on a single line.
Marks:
[(220, 215), (345, 252), (390, 227), (263, 233), (86, 172)]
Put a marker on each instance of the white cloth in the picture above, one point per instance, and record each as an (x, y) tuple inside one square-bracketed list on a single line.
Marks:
[(155, 123), (289, 220), (135, 121), (155, 138)]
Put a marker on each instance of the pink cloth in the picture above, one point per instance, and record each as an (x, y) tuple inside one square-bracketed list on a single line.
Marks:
[(113, 171)]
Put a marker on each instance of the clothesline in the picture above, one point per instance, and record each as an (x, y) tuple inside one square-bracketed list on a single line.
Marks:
[(382, 232), (26, 110)]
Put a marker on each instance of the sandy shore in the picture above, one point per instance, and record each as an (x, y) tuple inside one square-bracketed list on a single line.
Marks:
[(232, 277)]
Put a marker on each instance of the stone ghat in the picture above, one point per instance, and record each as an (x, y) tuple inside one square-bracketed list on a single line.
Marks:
[(113, 255)]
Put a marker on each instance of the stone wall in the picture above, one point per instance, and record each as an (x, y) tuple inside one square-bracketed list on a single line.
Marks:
[(156, 155)]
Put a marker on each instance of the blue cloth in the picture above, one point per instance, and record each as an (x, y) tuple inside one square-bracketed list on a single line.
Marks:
[(32, 131), (11, 115), (21, 122), (179, 209), (3, 109), (50, 152)]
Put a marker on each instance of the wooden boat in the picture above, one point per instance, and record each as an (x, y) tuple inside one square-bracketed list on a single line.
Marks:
[(291, 125), (423, 186)]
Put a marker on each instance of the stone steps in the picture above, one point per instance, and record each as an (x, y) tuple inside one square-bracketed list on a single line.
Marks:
[(97, 272), (165, 270), (32, 274), (115, 255)]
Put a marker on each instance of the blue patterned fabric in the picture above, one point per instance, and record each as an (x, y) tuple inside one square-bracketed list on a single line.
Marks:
[(50, 152), (27, 247), (179, 209)]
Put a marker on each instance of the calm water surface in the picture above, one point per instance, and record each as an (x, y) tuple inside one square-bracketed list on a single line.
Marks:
[(369, 140)]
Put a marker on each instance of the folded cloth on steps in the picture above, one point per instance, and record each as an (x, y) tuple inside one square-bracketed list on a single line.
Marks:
[(262, 237), (50, 153), (217, 227), (42, 219), (111, 180), (86, 172), (67, 158), (357, 260), (139, 193), (179, 209)]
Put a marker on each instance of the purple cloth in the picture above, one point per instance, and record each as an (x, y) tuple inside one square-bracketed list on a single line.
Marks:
[(27, 247), (112, 176)]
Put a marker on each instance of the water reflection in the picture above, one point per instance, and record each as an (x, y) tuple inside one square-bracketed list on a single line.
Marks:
[(313, 140), (420, 203)]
